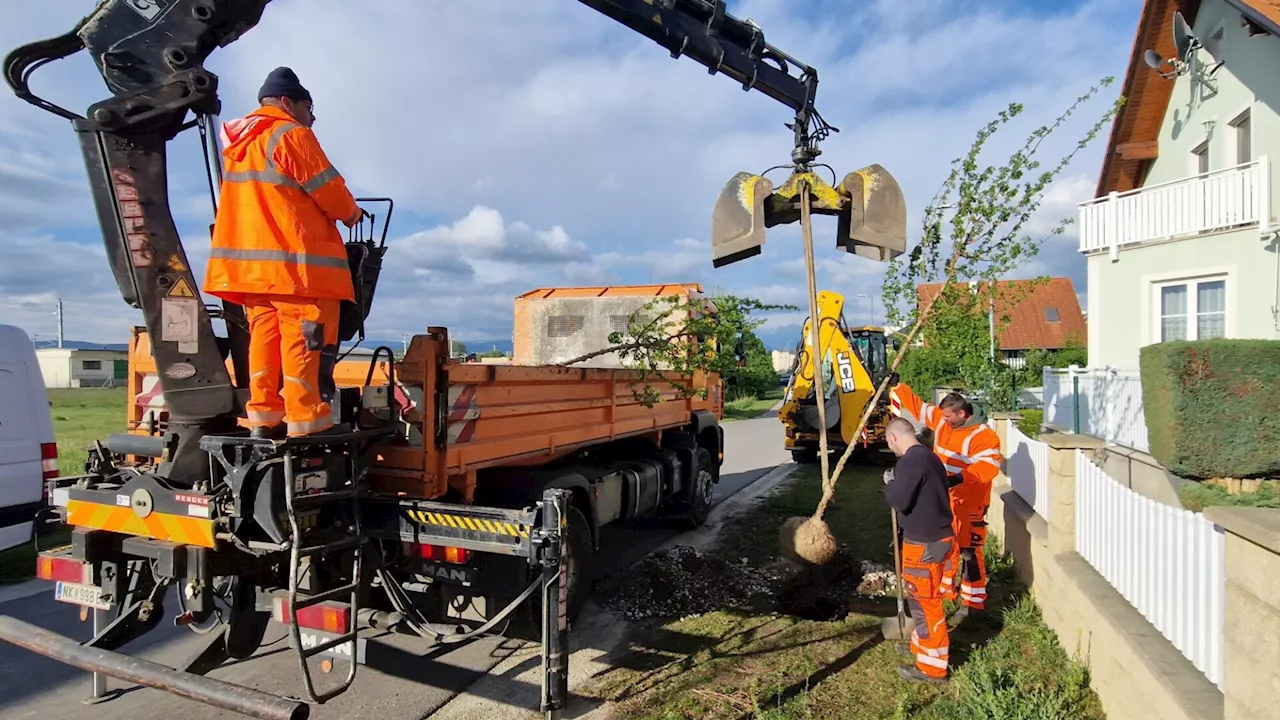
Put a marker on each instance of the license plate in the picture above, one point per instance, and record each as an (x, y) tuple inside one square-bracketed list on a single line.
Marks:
[(77, 594)]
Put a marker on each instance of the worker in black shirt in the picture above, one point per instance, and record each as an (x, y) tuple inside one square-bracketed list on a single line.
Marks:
[(916, 488)]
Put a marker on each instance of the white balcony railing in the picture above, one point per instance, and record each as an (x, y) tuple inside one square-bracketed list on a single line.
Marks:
[(1211, 201)]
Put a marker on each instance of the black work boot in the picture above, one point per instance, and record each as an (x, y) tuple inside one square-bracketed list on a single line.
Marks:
[(272, 432), (339, 429), (904, 648), (913, 673)]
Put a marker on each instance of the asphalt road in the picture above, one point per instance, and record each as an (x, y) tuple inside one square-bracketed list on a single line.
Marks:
[(403, 681)]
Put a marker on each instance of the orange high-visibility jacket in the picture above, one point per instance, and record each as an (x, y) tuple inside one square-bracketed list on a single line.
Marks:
[(972, 451), (274, 233)]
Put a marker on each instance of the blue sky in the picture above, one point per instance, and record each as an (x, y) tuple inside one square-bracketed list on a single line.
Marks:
[(537, 144)]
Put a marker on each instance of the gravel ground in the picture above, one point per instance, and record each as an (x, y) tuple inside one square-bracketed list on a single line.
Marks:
[(683, 581)]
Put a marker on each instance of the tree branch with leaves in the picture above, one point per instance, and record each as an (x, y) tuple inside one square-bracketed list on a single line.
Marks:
[(672, 341), (983, 239)]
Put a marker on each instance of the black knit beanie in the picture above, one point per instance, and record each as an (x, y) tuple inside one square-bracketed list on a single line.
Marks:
[(283, 82)]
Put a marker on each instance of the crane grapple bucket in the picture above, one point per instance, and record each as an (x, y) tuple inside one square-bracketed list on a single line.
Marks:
[(737, 223), (873, 223), (868, 204)]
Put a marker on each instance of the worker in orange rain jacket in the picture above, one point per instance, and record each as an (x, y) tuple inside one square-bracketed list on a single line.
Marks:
[(971, 453), (277, 251)]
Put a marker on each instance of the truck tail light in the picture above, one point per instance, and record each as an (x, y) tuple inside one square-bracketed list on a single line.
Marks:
[(62, 568), (48, 464), (439, 553), (330, 616)]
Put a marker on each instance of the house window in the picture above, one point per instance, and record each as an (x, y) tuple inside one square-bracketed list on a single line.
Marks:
[(91, 364), (1200, 158), (1051, 314), (1191, 310), (1242, 129)]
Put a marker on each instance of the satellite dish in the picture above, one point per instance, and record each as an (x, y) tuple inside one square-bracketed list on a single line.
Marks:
[(1154, 61), (1182, 36)]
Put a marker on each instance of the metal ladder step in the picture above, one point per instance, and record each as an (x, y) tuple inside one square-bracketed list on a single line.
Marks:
[(309, 501), (310, 652), (335, 546), (320, 597)]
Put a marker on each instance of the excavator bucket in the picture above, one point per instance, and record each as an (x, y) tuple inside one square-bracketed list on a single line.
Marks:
[(870, 210), (873, 221), (738, 221)]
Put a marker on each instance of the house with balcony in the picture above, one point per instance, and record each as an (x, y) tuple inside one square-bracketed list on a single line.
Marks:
[(1180, 239)]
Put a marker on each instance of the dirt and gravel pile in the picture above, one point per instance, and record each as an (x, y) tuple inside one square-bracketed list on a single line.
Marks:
[(877, 580), (684, 581)]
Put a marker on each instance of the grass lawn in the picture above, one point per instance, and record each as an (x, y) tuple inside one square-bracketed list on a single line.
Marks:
[(80, 416), (772, 663), (746, 407), (1198, 496)]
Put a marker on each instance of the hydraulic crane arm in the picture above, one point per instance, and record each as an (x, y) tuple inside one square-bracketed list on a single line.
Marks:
[(151, 55)]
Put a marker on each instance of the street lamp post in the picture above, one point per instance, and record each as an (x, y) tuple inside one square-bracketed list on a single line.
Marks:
[(871, 307)]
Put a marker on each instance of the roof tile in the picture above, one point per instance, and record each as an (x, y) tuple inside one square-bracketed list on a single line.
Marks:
[(1028, 324)]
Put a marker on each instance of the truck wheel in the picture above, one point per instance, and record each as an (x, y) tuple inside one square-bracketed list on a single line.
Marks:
[(703, 490), (577, 564), (805, 455)]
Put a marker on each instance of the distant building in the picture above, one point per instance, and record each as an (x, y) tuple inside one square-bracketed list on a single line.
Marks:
[(783, 360), (1045, 317), (77, 368)]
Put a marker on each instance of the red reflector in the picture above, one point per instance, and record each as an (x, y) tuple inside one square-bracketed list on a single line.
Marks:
[(65, 569), (440, 553), (49, 460), (330, 617)]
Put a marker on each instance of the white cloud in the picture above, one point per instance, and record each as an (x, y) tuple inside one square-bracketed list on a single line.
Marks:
[(534, 144)]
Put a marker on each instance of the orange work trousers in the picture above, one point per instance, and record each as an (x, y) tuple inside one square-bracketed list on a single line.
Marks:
[(924, 565), (293, 347), (970, 527)]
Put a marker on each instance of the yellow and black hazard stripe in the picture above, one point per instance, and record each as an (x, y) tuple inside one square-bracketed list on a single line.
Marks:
[(462, 522)]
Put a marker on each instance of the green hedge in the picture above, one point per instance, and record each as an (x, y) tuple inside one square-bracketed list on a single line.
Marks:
[(1213, 406)]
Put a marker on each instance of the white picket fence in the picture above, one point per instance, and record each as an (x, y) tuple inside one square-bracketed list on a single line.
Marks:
[(1169, 563), (1027, 467), (1102, 402), (1216, 200)]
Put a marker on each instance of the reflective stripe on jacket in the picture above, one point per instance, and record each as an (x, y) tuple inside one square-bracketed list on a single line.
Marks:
[(274, 233), (971, 451)]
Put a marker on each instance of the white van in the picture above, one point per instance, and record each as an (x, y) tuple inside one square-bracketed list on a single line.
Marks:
[(28, 454)]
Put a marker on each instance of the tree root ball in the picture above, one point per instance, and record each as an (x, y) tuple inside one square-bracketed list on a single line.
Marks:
[(807, 541)]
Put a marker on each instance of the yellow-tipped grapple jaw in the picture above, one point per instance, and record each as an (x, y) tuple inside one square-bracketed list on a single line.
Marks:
[(868, 204)]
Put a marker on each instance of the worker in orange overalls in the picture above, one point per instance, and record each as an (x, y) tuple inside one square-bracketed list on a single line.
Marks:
[(916, 489), (277, 252), (970, 451)]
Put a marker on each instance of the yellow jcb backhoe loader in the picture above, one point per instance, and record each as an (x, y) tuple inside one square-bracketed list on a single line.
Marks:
[(854, 361)]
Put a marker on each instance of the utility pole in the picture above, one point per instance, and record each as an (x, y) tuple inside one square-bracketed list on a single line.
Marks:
[(991, 321), (404, 342), (59, 323)]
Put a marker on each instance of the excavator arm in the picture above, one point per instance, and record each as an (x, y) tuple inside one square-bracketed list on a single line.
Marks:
[(151, 55)]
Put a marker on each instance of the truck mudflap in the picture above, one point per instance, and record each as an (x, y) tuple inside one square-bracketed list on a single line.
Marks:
[(538, 534)]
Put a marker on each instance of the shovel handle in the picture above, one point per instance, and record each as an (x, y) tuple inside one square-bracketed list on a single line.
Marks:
[(897, 567)]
